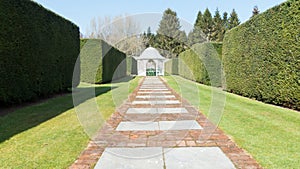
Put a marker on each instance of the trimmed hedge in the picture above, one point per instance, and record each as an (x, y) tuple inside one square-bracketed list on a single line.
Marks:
[(38, 51), (100, 62), (131, 66), (202, 63), (262, 56), (83, 42), (171, 66)]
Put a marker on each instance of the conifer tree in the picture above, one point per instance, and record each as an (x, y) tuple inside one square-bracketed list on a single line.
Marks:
[(199, 20), (169, 25), (207, 24), (233, 20), (148, 38), (196, 35), (225, 20), (255, 11), (149, 31), (169, 34), (217, 34)]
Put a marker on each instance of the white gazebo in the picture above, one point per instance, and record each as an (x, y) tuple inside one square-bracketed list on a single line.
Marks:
[(151, 63)]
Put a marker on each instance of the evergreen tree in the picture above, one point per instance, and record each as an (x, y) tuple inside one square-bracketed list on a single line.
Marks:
[(169, 34), (199, 20), (149, 31), (182, 37), (148, 38), (182, 43), (169, 25), (196, 35), (233, 20), (191, 38), (208, 28), (144, 38), (255, 11), (225, 20), (217, 34), (207, 24), (224, 27)]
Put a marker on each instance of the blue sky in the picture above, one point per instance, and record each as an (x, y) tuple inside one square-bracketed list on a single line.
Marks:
[(82, 11)]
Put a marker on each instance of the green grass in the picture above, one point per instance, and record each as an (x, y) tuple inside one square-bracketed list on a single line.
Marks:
[(269, 133), (49, 134)]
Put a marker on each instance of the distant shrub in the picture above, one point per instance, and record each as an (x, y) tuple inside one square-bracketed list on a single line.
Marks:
[(38, 51), (262, 56)]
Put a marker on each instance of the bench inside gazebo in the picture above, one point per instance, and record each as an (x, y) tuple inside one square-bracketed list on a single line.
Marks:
[(150, 63)]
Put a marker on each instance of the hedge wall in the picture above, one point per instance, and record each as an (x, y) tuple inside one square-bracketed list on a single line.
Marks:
[(171, 67), (83, 42), (131, 66), (262, 56), (38, 51), (101, 62), (202, 63)]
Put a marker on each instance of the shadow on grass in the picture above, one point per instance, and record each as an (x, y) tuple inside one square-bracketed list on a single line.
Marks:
[(31, 116)]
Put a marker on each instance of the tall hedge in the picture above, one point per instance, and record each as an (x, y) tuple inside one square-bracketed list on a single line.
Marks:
[(171, 66), (202, 63), (262, 56), (131, 66), (38, 51), (101, 62)]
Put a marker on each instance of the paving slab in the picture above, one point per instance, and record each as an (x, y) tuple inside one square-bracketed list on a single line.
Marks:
[(160, 125), (172, 110), (155, 92), (196, 158), (155, 97), (156, 89), (154, 83), (131, 158), (157, 86), (157, 102), (179, 125), (137, 126), (156, 111)]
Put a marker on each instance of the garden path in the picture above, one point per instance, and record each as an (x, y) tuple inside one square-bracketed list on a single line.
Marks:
[(157, 129)]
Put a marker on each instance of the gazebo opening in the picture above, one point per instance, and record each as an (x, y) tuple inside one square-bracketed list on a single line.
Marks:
[(151, 68), (150, 63)]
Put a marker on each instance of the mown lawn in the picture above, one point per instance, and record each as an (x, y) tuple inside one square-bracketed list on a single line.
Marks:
[(49, 134), (269, 133)]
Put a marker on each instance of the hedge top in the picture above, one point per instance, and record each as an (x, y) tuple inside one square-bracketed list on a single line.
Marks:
[(52, 13)]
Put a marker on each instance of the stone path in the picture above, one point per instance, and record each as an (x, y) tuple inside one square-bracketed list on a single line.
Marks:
[(157, 129)]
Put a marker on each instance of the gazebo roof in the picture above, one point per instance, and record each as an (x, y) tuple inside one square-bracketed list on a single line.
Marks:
[(150, 53)]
